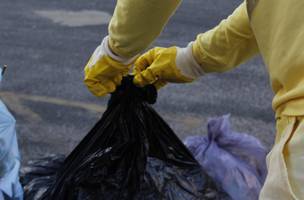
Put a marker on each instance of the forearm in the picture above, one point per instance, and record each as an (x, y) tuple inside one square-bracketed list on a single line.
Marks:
[(227, 45), (136, 23)]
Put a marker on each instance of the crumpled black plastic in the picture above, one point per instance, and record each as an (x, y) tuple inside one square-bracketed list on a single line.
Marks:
[(130, 154)]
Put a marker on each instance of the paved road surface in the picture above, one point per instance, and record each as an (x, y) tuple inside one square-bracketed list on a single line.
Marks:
[(47, 43)]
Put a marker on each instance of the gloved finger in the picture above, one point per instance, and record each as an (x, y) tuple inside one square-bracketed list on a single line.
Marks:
[(159, 84), (138, 80), (145, 77), (136, 70), (127, 72), (143, 62), (117, 80), (110, 86), (98, 88), (86, 71)]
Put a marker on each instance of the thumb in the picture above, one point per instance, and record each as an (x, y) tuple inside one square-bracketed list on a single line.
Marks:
[(145, 77)]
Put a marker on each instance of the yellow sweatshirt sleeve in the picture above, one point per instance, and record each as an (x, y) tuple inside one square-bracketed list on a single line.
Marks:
[(228, 44), (136, 23)]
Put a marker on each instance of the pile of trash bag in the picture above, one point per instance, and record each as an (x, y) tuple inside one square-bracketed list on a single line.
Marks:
[(10, 187), (131, 153), (236, 162)]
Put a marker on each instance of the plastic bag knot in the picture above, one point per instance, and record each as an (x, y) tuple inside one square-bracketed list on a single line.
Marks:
[(128, 90)]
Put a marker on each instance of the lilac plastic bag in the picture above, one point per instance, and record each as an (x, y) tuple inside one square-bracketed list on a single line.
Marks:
[(235, 161)]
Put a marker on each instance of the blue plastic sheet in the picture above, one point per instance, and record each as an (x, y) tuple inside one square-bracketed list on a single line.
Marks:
[(10, 187), (235, 161)]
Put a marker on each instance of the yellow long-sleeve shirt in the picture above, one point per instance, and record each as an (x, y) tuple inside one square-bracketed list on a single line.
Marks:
[(273, 28), (136, 23)]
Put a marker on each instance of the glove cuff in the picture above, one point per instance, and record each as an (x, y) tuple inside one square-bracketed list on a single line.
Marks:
[(106, 48), (187, 64)]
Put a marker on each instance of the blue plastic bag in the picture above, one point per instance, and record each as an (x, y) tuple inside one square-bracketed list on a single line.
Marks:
[(236, 162), (10, 187)]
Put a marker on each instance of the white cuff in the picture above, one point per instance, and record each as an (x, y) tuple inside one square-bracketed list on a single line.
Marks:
[(109, 52), (187, 64), (104, 50)]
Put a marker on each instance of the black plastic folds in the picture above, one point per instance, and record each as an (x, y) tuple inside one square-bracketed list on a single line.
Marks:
[(130, 154)]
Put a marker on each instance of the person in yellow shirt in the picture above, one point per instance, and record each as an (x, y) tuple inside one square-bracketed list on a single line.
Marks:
[(273, 28)]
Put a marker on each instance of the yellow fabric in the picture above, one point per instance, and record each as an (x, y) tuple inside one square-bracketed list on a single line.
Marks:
[(285, 162), (158, 66), (228, 44), (136, 23), (281, 47), (276, 30), (102, 77)]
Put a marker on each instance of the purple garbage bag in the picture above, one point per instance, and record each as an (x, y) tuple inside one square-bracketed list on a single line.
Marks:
[(235, 161)]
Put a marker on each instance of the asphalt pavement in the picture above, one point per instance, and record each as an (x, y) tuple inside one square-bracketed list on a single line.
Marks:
[(47, 43)]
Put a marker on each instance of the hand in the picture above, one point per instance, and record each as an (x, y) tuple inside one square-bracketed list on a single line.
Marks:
[(161, 65), (105, 70)]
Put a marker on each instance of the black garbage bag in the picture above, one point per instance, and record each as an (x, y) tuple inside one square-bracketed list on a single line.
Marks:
[(38, 175), (131, 153)]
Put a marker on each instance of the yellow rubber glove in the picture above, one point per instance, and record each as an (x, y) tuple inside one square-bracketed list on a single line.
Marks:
[(105, 70), (161, 65)]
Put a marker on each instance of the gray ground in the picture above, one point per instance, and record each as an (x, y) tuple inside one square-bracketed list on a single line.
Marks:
[(46, 50)]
